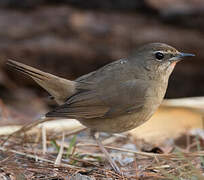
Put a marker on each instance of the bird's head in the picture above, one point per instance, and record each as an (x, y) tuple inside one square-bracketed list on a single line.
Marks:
[(158, 57)]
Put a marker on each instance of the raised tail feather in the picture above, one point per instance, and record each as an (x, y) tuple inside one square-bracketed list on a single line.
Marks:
[(58, 87)]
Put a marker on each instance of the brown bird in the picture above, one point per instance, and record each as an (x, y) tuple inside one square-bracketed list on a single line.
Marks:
[(115, 98)]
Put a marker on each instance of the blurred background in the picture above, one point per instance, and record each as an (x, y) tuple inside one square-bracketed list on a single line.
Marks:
[(70, 38)]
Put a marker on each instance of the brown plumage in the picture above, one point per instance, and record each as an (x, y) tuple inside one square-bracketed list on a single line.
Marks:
[(59, 88)]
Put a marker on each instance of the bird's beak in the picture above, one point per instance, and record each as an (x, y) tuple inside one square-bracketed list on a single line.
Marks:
[(180, 56)]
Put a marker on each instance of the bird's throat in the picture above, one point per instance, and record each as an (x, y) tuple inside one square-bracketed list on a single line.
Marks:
[(173, 64)]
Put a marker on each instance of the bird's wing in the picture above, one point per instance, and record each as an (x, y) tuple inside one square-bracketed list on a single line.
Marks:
[(108, 102), (110, 91)]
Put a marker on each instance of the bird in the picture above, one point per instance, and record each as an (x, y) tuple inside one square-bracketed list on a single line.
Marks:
[(115, 98)]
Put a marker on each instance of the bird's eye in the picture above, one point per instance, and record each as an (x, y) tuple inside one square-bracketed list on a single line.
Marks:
[(159, 55)]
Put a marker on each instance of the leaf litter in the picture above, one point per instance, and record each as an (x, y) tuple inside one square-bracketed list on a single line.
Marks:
[(47, 154)]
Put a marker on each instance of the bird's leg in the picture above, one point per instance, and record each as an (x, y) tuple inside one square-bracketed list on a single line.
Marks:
[(95, 135)]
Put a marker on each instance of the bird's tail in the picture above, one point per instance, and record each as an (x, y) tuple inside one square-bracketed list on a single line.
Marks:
[(58, 87)]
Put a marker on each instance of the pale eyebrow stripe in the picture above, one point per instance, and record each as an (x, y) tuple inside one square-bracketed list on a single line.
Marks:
[(164, 52)]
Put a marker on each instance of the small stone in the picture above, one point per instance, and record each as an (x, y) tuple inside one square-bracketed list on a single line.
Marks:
[(81, 177)]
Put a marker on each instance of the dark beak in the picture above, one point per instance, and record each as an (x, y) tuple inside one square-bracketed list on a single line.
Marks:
[(181, 56)]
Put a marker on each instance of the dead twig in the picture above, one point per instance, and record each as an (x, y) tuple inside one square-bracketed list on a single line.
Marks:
[(194, 154), (27, 128), (41, 159)]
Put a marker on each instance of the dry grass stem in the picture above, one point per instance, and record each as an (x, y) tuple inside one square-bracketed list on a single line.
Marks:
[(60, 154), (44, 139)]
